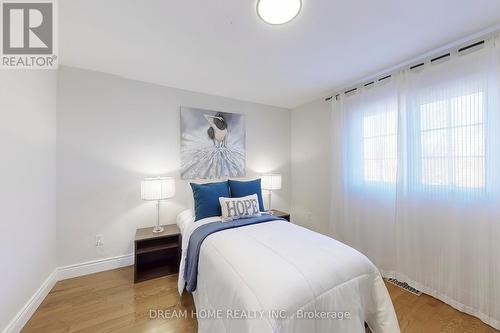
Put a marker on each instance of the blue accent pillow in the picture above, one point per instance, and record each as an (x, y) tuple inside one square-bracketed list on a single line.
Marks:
[(206, 198), (243, 188)]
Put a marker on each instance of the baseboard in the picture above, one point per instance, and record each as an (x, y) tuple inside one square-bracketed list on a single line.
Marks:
[(94, 266), (63, 273), (30, 307)]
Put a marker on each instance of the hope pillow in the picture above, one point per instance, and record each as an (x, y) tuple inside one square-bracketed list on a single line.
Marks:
[(239, 208)]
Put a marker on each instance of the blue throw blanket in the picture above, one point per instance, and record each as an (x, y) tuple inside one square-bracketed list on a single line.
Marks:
[(199, 235)]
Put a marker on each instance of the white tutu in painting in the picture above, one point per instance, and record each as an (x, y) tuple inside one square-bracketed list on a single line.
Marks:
[(212, 144)]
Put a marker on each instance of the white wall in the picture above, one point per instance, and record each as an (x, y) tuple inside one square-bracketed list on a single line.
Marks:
[(112, 132), (27, 186), (310, 165)]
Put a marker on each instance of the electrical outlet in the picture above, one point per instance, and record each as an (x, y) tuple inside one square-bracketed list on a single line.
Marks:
[(99, 240)]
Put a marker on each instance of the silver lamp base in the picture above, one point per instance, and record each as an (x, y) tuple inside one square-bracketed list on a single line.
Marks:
[(158, 229)]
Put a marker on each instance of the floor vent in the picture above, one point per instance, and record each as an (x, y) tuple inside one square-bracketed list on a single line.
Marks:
[(405, 286)]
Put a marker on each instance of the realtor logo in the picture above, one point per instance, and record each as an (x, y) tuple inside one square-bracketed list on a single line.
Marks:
[(28, 35)]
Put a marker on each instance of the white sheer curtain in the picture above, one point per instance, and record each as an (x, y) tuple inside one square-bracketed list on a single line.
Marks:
[(418, 178)]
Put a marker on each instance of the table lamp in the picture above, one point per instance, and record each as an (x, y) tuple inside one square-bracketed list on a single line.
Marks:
[(270, 183), (159, 188)]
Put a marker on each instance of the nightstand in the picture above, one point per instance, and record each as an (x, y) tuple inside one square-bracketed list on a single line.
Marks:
[(281, 214), (158, 254)]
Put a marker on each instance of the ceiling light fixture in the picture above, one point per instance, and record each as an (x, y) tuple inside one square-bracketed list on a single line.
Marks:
[(278, 11)]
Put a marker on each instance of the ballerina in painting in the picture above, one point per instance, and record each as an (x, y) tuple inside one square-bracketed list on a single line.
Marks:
[(217, 130)]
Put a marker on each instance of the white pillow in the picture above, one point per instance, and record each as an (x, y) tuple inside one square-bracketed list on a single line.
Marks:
[(239, 208), (184, 219)]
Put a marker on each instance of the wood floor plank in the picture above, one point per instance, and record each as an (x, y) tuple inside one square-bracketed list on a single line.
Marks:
[(110, 302)]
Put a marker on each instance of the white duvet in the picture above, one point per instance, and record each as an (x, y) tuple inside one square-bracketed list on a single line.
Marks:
[(280, 277)]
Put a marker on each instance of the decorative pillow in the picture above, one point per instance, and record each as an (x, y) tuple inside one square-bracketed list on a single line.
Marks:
[(243, 188), (206, 198), (239, 208)]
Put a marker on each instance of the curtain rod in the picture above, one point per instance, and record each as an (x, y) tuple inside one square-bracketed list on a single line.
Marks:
[(448, 54), (463, 45)]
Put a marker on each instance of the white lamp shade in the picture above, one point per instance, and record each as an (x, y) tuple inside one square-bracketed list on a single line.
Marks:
[(271, 182), (158, 188)]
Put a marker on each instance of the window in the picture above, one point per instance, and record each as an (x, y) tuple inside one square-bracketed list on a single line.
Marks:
[(452, 142), (379, 147)]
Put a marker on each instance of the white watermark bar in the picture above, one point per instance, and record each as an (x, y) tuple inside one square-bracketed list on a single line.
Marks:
[(248, 314)]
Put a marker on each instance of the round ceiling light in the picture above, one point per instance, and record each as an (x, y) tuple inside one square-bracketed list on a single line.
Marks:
[(278, 11)]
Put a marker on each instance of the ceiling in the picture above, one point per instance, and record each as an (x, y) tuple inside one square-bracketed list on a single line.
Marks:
[(221, 47)]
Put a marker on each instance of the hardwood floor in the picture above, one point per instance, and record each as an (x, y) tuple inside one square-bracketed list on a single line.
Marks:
[(111, 302), (420, 314)]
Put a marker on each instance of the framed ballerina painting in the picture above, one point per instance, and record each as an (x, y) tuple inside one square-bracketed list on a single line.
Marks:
[(212, 144)]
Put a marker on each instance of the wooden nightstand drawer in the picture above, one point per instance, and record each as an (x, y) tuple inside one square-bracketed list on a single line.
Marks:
[(157, 244), (281, 214), (156, 255)]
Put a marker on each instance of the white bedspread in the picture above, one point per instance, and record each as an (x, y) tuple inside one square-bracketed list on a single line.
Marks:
[(277, 272)]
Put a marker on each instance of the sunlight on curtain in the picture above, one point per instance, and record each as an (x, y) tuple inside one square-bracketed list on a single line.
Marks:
[(420, 178), (366, 128), (447, 129), (379, 147), (452, 140)]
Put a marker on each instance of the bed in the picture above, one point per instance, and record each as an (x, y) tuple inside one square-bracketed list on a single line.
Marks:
[(275, 276)]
